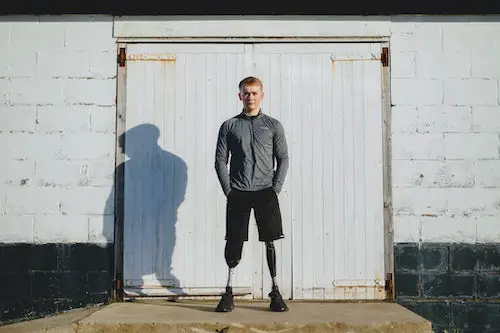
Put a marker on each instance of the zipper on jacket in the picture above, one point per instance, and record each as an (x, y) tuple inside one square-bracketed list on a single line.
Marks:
[(252, 143)]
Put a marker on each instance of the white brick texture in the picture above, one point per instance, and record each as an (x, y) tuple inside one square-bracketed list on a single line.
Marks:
[(57, 128), (445, 129)]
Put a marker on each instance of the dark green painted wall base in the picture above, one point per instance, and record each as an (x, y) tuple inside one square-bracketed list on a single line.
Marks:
[(42, 279), (456, 286)]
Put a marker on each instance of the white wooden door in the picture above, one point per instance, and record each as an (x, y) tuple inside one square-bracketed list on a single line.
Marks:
[(328, 97), (174, 222), (332, 199)]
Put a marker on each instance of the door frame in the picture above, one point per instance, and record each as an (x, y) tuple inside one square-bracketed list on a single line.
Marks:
[(117, 292)]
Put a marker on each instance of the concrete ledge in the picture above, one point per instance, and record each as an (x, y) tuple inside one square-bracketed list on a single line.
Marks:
[(250, 316)]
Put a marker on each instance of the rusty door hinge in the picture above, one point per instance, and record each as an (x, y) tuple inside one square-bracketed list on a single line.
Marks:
[(384, 57), (389, 285), (122, 57)]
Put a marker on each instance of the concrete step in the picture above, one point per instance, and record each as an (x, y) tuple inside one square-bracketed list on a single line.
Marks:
[(249, 316)]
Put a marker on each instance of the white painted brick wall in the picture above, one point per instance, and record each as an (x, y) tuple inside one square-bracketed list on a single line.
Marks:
[(446, 128), (57, 123), (57, 128)]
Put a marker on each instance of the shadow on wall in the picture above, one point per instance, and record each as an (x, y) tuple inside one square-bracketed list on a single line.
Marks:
[(155, 182)]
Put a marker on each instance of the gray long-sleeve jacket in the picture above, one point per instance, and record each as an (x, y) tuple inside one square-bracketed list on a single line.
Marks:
[(253, 143)]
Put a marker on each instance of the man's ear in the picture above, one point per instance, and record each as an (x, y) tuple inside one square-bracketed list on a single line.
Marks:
[(239, 96)]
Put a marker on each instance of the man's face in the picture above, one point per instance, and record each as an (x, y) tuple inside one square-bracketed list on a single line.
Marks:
[(251, 96)]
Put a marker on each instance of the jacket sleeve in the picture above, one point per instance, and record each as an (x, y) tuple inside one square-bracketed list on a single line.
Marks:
[(221, 159), (280, 149)]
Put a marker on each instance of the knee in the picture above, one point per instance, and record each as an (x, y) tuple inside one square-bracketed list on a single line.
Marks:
[(232, 263), (269, 246), (233, 253)]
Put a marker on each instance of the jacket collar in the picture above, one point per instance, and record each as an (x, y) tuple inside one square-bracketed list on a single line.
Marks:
[(245, 116)]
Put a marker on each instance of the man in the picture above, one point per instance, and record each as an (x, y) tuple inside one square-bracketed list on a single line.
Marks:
[(253, 141)]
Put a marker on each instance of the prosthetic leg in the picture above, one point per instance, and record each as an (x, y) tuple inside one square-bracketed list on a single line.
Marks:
[(277, 302), (233, 251), (232, 254)]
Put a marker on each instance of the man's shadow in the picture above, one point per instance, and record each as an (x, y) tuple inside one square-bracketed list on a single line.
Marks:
[(153, 186)]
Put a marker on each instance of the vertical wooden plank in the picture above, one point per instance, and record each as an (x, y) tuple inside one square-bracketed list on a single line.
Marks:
[(121, 105), (374, 167), (338, 177), (360, 198), (328, 183), (387, 182), (297, 181), (180, 126), (308, 225), (317, 195)]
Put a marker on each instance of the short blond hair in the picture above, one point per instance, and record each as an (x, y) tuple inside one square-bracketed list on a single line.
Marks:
[(250, 81)]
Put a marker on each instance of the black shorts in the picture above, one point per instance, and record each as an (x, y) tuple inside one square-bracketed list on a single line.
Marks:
[(266, 211)]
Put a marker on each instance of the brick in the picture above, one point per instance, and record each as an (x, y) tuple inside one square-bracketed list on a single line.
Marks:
[(61, 173), (61, 229), (420, 38), (471, 145), (88, 146), (37, 91), (489, 258), (91, 257), (404, 119), (65, 63), (103, 64), (50, 285), (462, 285), (30, 145), (488, 229), (87, 201), (434, 257), (435, 285), (16, 229), (470, 92), (440, 119), (103, 119), (16, 173), (99, 282), (90, 35), (91, 91), (448, 229), (419, 201), (440, 65), (407, 173), (17, 118), (471, 37), (101, 228), (101, 172), (406, 257), (402, 65), (488, 286), (485, 65), (28, 200), (36, 257), (487, 173), (35, 36), (416, 92), (5, 91), (427, 146), (16, 63), (55, 118), (486, 118), (478, 316), (406, 228), (15, 285), (463, 258), (473, 201), (406, 284)]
